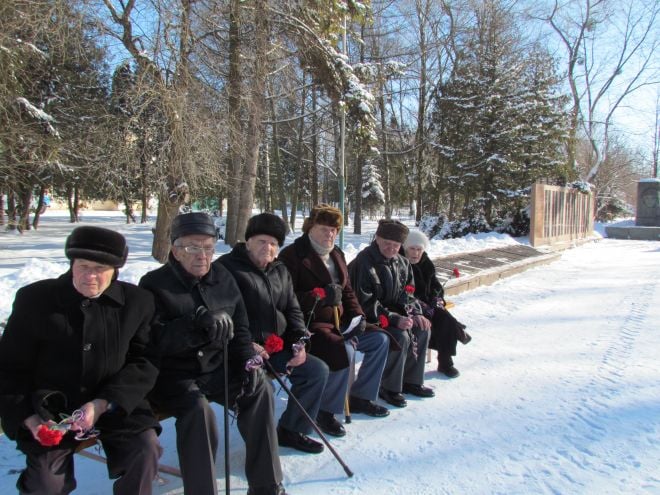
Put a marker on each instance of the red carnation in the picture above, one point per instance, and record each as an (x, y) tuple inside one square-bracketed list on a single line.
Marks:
[(49, 437), (383, 321), (273, 344), (410, 289), (318, 293), (456, 272)]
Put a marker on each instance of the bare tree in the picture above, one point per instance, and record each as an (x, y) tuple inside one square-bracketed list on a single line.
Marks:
[(610, 52)]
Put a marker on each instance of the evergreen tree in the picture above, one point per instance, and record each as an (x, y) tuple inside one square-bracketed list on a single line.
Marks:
[(499, 121), (372, 192)]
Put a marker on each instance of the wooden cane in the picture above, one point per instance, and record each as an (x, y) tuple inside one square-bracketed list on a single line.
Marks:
[(347, 409)]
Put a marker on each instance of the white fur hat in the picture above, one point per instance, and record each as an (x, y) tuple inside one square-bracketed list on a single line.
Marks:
[(416, 238)]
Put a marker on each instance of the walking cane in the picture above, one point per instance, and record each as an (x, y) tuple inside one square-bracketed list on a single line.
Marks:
[(284, 386), (225, 355), (347, 407)]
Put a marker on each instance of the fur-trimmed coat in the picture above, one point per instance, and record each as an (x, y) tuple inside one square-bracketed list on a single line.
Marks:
[(309, 272)]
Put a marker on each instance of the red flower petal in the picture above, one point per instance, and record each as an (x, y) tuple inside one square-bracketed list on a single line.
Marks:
[(273, 344), (383, 321), (410, 289), (318, 293), (48, 437)]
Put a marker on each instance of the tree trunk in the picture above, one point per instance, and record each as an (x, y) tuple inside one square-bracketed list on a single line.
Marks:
[(299, 162), (11, 211), (2, 207), (254, 131), (268, 206), (144, 191), (25, 198), (357, 212), (234, 122), (315, 143), (41, 207), (128, 205), (386, 163), (144, 200), (277, 167), (167, 210)]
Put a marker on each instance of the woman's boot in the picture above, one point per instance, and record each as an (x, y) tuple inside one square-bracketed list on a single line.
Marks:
[(446, 366)]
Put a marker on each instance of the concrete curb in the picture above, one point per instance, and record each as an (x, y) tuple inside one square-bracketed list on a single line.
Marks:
[(492, 275), (488, 266)]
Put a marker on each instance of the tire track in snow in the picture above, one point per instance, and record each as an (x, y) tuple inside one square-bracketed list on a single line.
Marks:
[(588, 420)]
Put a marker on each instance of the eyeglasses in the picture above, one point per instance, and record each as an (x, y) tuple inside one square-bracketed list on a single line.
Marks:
[(208, 251)]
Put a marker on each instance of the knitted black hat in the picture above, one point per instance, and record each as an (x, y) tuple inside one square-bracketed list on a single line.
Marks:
[(195, 223), (97, 244), (392, 230), (266, 224), (323, 214)]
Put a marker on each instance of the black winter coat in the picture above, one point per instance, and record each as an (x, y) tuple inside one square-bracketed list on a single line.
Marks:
[(427, 285), (186, 353), (444, 327), (269, 298), (56, 339), (379, 282)]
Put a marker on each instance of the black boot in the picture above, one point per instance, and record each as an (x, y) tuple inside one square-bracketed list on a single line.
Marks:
[(462, 336), (298, 441), (329, 425), (446, 366)]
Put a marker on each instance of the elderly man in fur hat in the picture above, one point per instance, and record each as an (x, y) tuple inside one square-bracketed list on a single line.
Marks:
[(198, 309), (380, 276), (275, 317), (74, 365), (315, 262)]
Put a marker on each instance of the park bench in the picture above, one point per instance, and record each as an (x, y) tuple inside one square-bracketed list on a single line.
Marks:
[(85, 449)]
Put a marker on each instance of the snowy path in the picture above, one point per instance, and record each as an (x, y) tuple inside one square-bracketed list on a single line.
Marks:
[(559, 394)]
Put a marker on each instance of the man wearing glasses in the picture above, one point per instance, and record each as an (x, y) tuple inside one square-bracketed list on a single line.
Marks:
[(199, 308)]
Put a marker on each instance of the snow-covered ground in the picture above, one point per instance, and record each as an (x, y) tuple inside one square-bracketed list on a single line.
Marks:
[(559, 391)]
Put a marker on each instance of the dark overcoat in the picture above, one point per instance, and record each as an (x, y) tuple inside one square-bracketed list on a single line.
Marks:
[(269, 298), (444, 327), (427, 285), (380, 282), (186, 353), (309, 272), (57, 340)]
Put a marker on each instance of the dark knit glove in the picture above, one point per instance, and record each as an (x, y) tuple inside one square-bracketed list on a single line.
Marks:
[(333, 293)]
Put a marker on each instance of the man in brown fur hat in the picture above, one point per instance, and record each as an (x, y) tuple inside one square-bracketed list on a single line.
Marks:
[(380, 276), (315, 262)]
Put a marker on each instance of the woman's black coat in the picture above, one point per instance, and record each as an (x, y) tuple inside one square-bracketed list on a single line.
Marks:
[(428, 289)]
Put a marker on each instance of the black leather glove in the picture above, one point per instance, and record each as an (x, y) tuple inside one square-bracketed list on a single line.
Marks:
[(333, 293), (251, 381), (217, 324), (357, 331)]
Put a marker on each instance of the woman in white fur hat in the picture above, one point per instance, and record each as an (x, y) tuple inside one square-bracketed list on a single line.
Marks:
[(445, 330)]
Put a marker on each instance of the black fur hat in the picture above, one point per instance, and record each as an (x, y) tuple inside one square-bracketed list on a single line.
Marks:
[(195, 223), (266, 224), (97, 244), (392, 230)]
